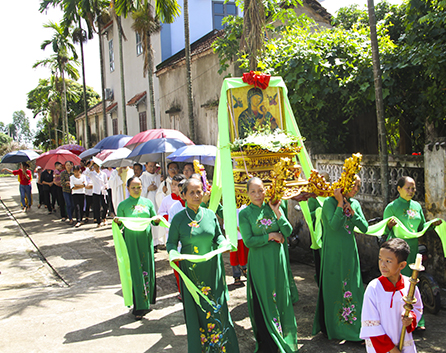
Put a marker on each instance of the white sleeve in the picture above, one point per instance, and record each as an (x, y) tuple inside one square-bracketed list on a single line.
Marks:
[(370, 317), (71, 181)]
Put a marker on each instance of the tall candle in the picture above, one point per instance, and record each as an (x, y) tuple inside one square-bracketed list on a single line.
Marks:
[(418, 261)]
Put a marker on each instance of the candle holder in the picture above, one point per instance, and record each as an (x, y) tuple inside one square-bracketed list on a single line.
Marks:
[(410, 299)]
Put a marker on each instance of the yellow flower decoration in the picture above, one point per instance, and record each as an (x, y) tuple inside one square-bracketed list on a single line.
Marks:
[(223, 349), (211, 327), (208, 315), (205, 290), (195, 250), (201, 329)]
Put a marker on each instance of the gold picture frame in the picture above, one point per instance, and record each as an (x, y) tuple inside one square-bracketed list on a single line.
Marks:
[(251, 108)]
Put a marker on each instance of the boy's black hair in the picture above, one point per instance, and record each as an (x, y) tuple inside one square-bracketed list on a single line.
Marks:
[(178, 177), (77, 168), (137, 165), (399, 247)]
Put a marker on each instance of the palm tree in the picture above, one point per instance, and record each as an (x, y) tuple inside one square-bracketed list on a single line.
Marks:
[(383, 151), (146, 23), (74, 11), (60, 63)]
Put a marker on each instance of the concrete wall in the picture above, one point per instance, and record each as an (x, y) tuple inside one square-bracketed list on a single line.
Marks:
[(135, 82), (435, 167), (206, 86)]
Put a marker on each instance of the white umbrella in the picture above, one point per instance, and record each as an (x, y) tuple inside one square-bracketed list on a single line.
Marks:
[(118, 159)]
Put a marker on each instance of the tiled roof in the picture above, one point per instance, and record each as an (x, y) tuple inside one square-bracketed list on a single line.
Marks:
[(137, 98), (199, 46), (319, 9), (94, 110), (112, 107)]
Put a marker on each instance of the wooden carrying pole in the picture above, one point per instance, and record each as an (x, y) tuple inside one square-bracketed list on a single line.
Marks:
[(410, 298)]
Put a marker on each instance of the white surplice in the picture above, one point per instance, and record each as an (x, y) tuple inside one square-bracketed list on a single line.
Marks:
[(119, 189), (381, 314)]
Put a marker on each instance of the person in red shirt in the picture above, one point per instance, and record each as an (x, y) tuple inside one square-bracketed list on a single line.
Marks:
[(25, 177)]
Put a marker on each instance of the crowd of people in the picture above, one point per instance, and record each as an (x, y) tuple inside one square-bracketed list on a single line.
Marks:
[(345, 311)]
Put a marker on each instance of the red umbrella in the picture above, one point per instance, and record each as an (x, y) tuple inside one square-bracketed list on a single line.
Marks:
[(47, 159), (104, 154), (76, 149), (157, 134)]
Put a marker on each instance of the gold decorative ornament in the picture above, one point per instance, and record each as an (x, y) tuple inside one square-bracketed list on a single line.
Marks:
[(318, 185)]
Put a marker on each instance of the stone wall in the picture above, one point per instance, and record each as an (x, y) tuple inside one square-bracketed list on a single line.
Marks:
[(434, 174)]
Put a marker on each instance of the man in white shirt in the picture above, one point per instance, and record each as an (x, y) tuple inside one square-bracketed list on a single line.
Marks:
[(165, 189), (118, 180), (100, 186), (150, 181)]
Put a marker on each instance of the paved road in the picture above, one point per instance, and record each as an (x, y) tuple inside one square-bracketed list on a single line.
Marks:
[(60, 292)]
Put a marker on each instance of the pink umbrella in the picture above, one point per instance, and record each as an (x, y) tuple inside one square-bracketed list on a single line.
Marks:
[(104, 154), (76, 149), (157, 134), (47, 159)]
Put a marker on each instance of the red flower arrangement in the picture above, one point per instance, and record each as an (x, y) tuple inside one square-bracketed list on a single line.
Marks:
[(257, 79)]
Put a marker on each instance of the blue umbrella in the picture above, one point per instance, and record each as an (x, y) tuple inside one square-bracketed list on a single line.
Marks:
[(154, 150), (19, 156), (89, 153), (205, 154), (113, 142)]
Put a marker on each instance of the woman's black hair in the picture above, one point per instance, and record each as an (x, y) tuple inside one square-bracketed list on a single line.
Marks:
[(179, 177), (25, 164), (402, 181), (186, 184), (251, 180), (131, 179), (399, 247)]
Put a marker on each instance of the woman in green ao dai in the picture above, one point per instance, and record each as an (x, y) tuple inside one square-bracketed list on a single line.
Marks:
[(264, 228), (209, 328)]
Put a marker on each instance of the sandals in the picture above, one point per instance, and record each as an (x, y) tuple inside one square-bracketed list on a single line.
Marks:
[(238, 281)]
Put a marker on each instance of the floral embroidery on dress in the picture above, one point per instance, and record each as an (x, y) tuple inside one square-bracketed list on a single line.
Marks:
[(411, 213), (276, 321), (194, 224), (266, 222), (146, 284), (347, 312), (139, 208)]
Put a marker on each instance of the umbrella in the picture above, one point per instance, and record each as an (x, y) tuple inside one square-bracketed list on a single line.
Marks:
[(113, 142), (205, 154), (89, 153), (154, 150), (157, 134), (73, 148), (104, 154), (47, 159), (19, 156), (118, 159)]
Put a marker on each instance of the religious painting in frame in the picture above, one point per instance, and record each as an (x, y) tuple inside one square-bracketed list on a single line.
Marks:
[(253, 109)]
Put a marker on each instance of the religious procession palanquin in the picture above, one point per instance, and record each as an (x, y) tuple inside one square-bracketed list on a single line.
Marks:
[(278, 170), (261, 146)]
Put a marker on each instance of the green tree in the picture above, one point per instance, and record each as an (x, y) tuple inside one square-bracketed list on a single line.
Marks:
[(74, 12), (377, 75), (43, 100), (22, 126), (62, 61), (4, 139)]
